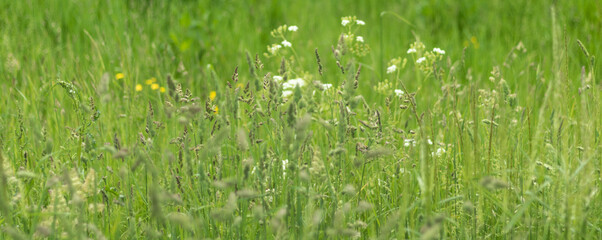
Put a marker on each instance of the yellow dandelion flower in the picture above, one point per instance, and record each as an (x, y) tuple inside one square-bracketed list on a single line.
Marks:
[(212, 95), (154, 86), (474, 42), (162, 89), (138, 87), (215, 109), (119, 76), (150, 81), (240, 85)]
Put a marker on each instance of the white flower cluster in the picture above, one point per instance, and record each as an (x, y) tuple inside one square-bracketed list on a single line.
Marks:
[(293, 28), (293, 83), (347, 20), (440, 152), (287, 93), (289, 85), (420, 60), (286, 43), (392, 69), (274, 48), (439, 51), (398, 92)]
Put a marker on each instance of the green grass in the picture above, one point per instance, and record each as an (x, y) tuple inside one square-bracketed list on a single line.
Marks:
[(512, 108)]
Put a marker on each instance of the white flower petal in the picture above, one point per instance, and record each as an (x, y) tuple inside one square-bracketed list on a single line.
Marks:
[(438, 50), (287, 93), (391, 68), (399, 92)]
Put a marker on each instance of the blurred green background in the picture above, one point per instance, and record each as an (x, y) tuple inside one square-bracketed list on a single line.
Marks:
[(150, 38)]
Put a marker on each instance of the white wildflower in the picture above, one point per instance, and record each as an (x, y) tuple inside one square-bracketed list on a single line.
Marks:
[(284, 163), (411, 50), (360, 22), (293, 83), (293, 28), (277, 78), (286, 43), (429, 141), (399, 92), (274, 48), (359, 39), (344, 22), (440, 152), (391, 68), (287, 93), (326, 86), (420, 60), (438, 50), (408, 142)]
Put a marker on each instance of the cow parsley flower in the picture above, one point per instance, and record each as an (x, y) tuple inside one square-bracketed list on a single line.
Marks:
[(438, 50), (290, 84), (440, 152), (408, 142), (360, 22), (326, 86), (420, 60), (286, 43), (359, 39), (287, 93), (411, 50), (392, 69), (274, 48), (293, 28), (398, 92), (277, 78), (344, 22)]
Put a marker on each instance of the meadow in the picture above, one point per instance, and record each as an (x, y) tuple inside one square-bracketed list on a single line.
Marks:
[(329, 119)]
